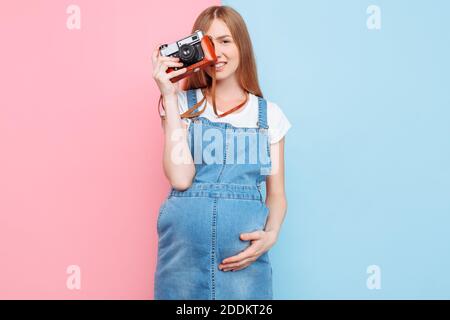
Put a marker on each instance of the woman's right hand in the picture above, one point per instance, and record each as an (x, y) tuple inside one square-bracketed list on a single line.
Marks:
[(162, 78)]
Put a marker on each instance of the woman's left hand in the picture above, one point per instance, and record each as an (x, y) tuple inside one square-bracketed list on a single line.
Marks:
[(261, 241)]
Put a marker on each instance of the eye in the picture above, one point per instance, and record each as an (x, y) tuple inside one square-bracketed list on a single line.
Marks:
[(226, 41)]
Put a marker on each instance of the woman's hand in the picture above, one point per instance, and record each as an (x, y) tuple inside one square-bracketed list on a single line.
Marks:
[(261, 241), (162, 78)]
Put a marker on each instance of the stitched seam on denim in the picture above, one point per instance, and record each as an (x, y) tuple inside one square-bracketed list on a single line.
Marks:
[(155, 275), (213, 250), (160, 213), (206, 194), (225, 187), (224, 159), (262, 113), (268, 165), (189, 133), (231, 193), (208, 185), (268, 152), (265, 114), (260, 193), (259, 114)]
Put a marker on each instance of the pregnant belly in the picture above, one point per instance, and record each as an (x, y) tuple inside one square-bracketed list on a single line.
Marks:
[(193, 227)]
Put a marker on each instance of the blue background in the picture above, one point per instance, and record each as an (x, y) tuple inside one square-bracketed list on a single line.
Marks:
[(368, 156)]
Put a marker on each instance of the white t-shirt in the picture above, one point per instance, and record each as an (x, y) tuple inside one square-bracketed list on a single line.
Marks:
[(247, 116)]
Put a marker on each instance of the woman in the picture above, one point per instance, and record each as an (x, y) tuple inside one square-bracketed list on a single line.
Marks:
[(214, 219)]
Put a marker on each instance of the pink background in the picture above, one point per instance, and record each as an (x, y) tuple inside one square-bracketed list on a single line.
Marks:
[(81, 145)]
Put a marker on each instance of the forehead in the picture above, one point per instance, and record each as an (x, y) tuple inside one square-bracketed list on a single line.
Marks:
[(217, 29)]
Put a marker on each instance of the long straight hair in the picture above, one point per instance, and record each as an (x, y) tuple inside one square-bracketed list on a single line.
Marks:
[(246, 72)]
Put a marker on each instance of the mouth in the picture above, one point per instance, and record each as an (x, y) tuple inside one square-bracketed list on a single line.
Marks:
[(220, 66)]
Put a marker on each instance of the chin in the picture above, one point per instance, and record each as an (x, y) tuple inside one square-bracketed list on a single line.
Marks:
[(223, 75), (220, 76)]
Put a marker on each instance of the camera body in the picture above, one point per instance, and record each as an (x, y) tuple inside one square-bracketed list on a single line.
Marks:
[(195, 52)]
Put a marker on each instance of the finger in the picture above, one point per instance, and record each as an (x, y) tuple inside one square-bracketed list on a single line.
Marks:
[(251, 235), (241, 256), (156, 53), (174, 74), (238, 264), (242, 267), (164, 58), (173, 64), (252, 256), (155, 56), (163, 66), (157, 71), (162, 69)]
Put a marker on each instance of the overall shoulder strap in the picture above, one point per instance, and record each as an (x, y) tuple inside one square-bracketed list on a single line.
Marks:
[(262, 113), (191, 97)]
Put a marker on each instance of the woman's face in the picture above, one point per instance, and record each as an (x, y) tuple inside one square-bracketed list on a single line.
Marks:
[(226, 50)]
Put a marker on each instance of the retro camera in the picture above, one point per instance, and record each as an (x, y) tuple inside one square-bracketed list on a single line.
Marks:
[(195, 52)]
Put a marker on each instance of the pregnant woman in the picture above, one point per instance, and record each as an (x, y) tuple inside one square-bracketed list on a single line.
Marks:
[(223, 142)]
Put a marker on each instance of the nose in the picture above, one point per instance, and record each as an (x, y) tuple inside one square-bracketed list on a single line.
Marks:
[(217, 49)]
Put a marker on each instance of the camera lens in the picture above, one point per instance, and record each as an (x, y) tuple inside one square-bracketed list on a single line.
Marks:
[(187, 53)]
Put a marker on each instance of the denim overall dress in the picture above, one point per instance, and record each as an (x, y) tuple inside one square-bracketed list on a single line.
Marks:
[(200, 226)]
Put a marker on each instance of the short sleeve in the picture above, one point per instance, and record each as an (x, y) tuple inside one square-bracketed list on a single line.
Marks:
[(182, 104), (278, 123)]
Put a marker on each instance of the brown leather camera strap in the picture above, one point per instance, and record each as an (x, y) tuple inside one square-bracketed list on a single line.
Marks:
[(191, 114), (232, 109), (213, 89)]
